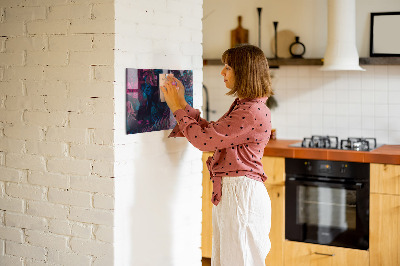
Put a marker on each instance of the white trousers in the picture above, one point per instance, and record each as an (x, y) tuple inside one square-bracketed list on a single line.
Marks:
[(241, 223)]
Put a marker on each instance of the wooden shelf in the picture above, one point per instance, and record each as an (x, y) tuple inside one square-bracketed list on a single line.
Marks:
[(274, 63), (380, 61)]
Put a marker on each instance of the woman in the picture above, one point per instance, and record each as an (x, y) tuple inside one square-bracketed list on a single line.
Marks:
[(242, 211)]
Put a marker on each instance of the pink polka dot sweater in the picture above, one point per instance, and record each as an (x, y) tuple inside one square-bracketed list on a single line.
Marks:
[(238, 139)]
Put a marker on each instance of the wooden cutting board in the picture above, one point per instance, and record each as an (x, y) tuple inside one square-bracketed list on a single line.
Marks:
[(239, 35)]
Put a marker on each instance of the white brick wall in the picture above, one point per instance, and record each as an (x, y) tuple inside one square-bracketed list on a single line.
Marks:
[(56, 132), (156, 178)]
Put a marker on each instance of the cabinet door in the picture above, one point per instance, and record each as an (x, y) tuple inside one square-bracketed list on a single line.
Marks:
[(385, 178), (304, 254), (277, 233), (206, 226), (274, 168), (384, 230)]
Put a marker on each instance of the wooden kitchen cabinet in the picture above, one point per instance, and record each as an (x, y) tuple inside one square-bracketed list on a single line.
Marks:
[(274, 168), (385, 178), (305, 254), (206, 225), (384, 237)]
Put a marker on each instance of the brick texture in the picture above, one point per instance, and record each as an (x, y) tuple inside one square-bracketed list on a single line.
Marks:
[(47, 81)]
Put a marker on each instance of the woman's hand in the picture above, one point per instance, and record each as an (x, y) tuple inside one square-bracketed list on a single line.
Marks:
[(174, 91)]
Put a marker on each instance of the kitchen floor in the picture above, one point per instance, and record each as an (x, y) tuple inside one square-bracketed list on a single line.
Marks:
[(206, 261)]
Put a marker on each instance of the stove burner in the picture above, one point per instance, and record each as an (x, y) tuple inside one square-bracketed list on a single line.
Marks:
[(358, 144), (328, 142)]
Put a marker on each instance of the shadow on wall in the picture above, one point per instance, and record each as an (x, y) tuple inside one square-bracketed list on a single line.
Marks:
[(157, 170)]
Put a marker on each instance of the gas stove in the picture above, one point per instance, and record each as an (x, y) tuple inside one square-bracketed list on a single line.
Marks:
[(332, 142)]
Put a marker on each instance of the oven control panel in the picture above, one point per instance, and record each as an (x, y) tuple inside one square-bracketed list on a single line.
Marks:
[(338, 169)]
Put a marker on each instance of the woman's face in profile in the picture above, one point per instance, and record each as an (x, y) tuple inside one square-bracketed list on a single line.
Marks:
[(229, 76)]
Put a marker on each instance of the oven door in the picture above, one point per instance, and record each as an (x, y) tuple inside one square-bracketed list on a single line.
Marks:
[(327, 213)]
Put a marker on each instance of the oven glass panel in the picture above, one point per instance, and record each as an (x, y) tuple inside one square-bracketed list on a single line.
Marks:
[(326, 207)]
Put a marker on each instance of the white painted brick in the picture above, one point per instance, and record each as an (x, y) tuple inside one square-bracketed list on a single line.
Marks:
[(12, 145), (103, 202), (12, 204), (93, 184), (68, 258), (11, 260), (24, 13), (92, 151), (91, 89), (11, 233), (48, 179), (97, 57), (21, 43), (46, 2), (91, 247), (107, 259), (11, 88), (3, 44), (32, 262), (24, 73), (60, 227), (56, 103), (98, 120), (74, 135), (91, 26), (26, 191), (46, 240), (103, 11), (97, 105), (46, 209), (25, 221), (46, 148), (46, 118), (81, 73), (103, 41), (104, 169), (25, 250), (101, 136), (70, 166), (69, 197), (104, 73), (95, 216), (70, 12), (46, 27), (24, 132), (11, 59), (11, 117), (82, 230), (25, 103), (71, 42), (2, 158), (25, 161), (47, 58), (46, 88), (105, 233), (12, 29)]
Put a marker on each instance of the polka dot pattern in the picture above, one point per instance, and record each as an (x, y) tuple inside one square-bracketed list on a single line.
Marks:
[(238, 139)]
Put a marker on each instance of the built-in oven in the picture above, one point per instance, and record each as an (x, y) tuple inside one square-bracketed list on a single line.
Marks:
[(327, 202)]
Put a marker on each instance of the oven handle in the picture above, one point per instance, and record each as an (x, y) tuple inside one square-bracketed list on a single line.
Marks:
[(357, 185)]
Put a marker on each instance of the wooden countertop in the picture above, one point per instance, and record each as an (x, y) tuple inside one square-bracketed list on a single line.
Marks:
[(389, 154)]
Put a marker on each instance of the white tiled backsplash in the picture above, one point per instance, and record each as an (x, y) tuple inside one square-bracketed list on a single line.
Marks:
[(313, 102)]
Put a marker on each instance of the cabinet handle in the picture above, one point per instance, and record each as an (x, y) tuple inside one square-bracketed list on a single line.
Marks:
[(324, 254)]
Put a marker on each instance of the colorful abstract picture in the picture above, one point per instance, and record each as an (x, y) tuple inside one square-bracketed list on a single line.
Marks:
[(146, 109)]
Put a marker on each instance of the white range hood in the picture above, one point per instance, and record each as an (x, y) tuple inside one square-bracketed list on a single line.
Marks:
[(341, 51)]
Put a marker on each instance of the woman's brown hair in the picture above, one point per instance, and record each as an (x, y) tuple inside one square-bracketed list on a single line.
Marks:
[(250, 66)]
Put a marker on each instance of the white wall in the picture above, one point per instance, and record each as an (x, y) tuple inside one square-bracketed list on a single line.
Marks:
[(158, 180), (56, 132), (305, 18), (344, 103)]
